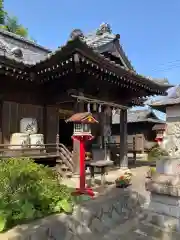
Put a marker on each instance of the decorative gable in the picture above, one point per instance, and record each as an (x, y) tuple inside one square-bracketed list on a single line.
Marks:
[(107, 43)]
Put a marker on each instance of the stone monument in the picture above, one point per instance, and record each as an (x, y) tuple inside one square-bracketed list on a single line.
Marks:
[(165, 184)]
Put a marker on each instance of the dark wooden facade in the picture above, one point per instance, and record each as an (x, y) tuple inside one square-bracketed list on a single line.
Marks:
[(141, 123), (38, 87)]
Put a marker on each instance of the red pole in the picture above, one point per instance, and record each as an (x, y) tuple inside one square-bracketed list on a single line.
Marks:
[(82, 165)]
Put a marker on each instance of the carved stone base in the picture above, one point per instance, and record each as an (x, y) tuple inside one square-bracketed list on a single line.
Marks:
[(164, 184), (164, 206), (164, 211), (168, 165)]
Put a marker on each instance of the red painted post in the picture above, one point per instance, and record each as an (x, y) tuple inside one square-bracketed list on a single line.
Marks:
[(82, 175)]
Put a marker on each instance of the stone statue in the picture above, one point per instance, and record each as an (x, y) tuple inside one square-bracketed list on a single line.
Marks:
[(104, 28), (171, 140)]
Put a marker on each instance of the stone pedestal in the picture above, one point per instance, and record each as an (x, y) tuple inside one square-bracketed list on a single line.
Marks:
[(168, 165), (164, 206), (171, 140)]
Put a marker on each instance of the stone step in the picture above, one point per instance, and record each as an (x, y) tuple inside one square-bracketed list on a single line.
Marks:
[(59, 161), (64, 167), (155, 232), (68, 174), (63, 171), (141, 231), (128, 231)]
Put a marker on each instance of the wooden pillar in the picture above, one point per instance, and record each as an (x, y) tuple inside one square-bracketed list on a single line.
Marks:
[(1, 122), (123, 139), (45, 123)]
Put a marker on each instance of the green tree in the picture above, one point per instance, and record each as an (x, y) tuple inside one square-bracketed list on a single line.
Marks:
[(3, 13), (11, 23)]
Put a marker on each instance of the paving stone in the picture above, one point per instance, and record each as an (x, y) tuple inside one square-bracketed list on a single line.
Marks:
[(82, 229), (15, 237), (133, 236), (115, 216), (83, 215), (158, 233), (76, 238), (119, 208), (107, 208), (56, 230), (97, 226), (107, 221), (69, 236)]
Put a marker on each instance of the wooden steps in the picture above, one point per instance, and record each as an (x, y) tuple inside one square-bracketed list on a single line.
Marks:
[(64, 164)]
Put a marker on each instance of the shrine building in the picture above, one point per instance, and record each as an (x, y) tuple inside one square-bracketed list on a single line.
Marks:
[(88, 73)]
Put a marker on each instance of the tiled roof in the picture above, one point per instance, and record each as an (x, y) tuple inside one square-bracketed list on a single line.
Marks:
[(82, 117), (172, 98), (34, 54), (31, 52), (93, 57), (138, 116), (97, 41), (164, 101), (108, 42), (159, 127)]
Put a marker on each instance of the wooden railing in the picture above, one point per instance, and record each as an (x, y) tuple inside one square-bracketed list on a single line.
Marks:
[(136, 143), (131, 146), (38, 152)]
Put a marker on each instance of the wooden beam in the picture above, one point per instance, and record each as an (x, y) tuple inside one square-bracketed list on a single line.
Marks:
[(100, 102), (123, 139)]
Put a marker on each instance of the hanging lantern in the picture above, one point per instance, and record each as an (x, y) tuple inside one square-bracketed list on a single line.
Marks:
[(113, 111), (94, 107), (99, 110), (89, 107)]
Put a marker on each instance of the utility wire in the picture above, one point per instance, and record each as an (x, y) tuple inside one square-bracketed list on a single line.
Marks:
[(170, 62), (167, 68)]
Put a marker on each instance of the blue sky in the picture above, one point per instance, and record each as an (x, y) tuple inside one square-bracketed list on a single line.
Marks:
[(149, 29)]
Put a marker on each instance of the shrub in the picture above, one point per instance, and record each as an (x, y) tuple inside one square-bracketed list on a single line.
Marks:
[(29, 191), (153, 170), (156, 153)]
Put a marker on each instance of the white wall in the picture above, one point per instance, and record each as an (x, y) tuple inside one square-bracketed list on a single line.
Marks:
[(173, 111)]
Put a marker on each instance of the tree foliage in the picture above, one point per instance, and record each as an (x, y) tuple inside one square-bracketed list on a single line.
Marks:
[(11, 23), (157, 153), (29, 191), (3, 13)]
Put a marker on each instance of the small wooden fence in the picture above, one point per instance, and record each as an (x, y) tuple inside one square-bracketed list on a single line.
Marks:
[(56, 151), (136, 143)]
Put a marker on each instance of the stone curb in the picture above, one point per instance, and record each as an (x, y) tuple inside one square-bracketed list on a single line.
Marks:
[(93, 219)]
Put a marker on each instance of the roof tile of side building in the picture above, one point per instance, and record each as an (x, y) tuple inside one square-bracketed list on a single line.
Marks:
[(133, 116), (172, 98)]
